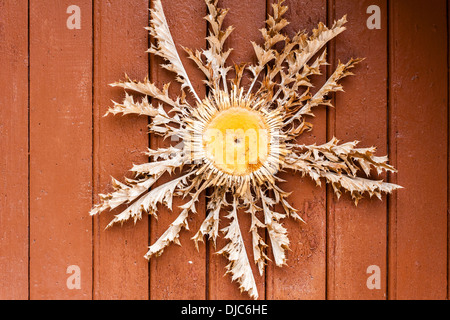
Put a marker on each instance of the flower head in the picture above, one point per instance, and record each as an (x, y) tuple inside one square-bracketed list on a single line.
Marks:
[(236, 139)]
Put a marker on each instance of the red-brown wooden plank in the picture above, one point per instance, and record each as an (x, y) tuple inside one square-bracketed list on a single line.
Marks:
[(418, 135), (180, 272), (61, 149), (14, 149), (358, 235), (248, 17), (305, 275), (120, 269)]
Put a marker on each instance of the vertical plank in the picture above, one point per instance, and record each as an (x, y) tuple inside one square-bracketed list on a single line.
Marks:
[(247, 18), (61, 149), (180, 272), (359, 234), (120, 44), (14, 146), (418, 133), (305, 275)]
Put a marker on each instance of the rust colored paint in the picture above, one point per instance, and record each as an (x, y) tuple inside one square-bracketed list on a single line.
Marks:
[(247, 18), (120, 270), (305, 275), (418, 147), (180, 272), (358, 234), (14, 149), (60, 150), (55, 92)]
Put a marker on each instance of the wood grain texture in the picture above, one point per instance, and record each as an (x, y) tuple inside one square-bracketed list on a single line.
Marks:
[(14, 149), (418, 146), (305, 275), (61, 150), (248, 18), (120, 270), (180, 272), (358, 235), (55, 92)]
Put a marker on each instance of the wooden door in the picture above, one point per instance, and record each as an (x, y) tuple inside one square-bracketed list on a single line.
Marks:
[(58, 152)]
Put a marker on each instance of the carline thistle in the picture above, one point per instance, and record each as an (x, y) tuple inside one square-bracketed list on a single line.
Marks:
[(236, 139)]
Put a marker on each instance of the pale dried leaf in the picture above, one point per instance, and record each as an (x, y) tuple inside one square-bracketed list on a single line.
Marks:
[(239, 266), (165, 47), (339, 165)]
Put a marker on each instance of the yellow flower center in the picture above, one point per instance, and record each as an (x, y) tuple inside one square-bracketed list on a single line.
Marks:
[(237, 140)]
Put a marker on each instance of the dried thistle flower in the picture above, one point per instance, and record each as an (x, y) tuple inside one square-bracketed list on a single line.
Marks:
[(236, 139)]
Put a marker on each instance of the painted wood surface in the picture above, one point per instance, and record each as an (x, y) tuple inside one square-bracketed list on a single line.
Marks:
[(418, 132), (170, 271), (305, 275), (59, 152), (14, 149), (251, 16), (60, 164), (120, 44), (358, 235)]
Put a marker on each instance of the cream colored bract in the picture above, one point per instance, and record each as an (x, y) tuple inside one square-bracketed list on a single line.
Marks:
[(236, 139)]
